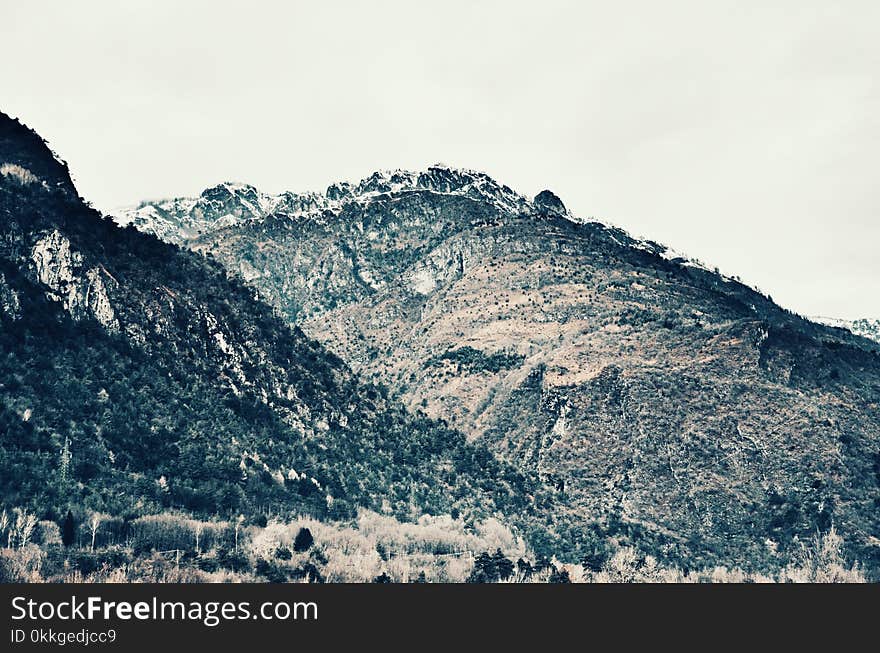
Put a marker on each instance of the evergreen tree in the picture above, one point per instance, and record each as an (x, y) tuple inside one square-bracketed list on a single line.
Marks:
[(68, 530), (525, 568), (594, 559), (503, 566), (484, 569), (559, 577), (303, 540), (542, 563)]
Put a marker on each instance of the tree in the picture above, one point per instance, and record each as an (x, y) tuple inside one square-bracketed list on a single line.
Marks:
[(595, 558), (66, 456), (503, 566), (541, 563), (303, 540), (484, 570), (238, 522), (24, 527), (68, 530), (525, 569), (274, 573), (4, 524), (559, 577), (198, 528), (382, 579), (94, 524)]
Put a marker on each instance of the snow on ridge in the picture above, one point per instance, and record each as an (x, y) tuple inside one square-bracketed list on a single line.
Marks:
[(229, 203), (625, 239), (194, 215), (865, 327), (829, 321)]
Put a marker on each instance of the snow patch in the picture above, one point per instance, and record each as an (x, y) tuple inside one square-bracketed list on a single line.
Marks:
[(18, 173)]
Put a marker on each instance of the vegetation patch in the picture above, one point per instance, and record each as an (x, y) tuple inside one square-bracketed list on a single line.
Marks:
[(474, 361)]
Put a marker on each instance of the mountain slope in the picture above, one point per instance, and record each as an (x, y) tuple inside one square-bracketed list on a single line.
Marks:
[(136, 377), (668, 405), (866, 328)]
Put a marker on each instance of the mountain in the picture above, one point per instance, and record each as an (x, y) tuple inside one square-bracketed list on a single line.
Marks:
[(230, 203), (137, 378), (864, 327), (669, 406)]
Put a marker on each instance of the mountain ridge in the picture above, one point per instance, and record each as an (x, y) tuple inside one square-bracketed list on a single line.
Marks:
[(172, 219), (864, 327), (180, 218), (256, 206)]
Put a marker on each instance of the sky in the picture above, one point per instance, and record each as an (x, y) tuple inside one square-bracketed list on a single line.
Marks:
[(745, 134)]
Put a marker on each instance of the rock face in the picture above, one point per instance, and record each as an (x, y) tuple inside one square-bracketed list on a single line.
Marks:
[(664, 402), (83, 293), (548, 201)]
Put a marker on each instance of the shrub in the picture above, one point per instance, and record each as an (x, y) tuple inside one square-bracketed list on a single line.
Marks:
[(166, 532), (303, 540), (307, 572), (232, 559), (22, 565), (474, 361), (273, 573), (48, 533), (207, 563), (823, 562), (382, 579), (559, 577)]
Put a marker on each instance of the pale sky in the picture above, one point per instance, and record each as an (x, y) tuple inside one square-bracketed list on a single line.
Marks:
[(746, 134)]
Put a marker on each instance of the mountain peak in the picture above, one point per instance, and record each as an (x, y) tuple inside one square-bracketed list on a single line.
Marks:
[(229, 188), (25, 158), (548, 200)]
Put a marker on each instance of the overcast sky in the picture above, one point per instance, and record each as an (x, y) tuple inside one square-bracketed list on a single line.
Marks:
[(746, 137)]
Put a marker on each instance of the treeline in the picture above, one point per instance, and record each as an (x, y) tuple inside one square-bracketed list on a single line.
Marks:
[(372, 548)]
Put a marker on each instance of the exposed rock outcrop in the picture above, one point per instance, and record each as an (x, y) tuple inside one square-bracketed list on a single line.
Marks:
[(83, 293)]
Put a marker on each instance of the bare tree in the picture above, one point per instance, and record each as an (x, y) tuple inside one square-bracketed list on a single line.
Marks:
[(4, 524), (238, 523), (24, 527), (198, 528), (66, 457), (94, 524)]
